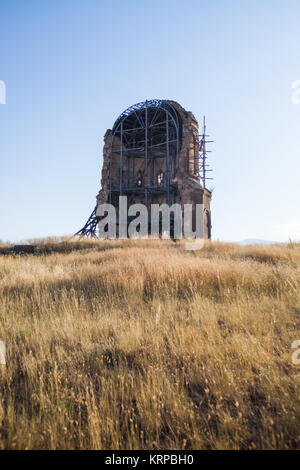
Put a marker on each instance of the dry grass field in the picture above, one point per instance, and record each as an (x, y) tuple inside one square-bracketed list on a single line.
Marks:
[(139, 344)]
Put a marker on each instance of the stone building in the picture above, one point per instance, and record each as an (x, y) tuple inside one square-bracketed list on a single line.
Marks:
[(152, 155)]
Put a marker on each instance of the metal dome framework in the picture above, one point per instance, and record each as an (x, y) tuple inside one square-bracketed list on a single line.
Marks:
[(150, 130)]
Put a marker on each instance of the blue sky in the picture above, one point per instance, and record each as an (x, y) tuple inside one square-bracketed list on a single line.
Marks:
[(72, 66)]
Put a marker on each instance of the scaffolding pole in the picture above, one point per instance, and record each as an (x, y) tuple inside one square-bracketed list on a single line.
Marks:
[(203, 166)]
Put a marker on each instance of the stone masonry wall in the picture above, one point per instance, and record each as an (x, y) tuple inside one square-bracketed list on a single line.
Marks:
[(187, 177)]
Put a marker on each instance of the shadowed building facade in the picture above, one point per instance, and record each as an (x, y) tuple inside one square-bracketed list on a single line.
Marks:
[(153, 155)]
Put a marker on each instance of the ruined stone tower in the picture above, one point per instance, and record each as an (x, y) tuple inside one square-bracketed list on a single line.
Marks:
[(153, 154)]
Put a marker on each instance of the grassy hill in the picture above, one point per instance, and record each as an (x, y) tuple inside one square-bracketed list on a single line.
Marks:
[(143, 345)]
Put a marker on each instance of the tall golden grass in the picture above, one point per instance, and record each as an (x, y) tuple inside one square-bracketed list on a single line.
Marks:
[(139, 344)]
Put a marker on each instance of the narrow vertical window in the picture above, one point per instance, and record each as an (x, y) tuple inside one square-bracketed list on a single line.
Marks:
[(160, 178)]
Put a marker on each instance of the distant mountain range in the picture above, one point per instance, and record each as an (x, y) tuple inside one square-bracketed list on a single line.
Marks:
[(256, 241)]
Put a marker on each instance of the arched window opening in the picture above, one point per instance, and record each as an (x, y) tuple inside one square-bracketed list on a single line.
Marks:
[(139, 179)]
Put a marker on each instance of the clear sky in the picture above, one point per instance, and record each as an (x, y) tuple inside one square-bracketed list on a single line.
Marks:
[(72, 66)]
